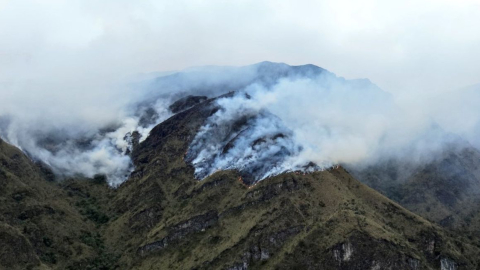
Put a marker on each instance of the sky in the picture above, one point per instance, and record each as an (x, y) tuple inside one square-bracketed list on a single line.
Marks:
[(402, 46)]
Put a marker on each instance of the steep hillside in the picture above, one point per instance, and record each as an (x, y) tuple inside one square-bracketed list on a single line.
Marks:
[(445, 190), (327, 220), (165, 217), (43, 224), (443, 187)]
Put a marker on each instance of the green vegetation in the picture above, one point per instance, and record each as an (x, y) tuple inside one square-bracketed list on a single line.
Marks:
[(89, 208), (162, 218)]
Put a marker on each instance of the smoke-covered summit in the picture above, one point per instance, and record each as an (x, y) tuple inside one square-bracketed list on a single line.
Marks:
[(270, 127), (74, 143), (276, 118), (313, 120)]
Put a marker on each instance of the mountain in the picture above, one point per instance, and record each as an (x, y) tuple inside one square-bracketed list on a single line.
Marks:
[(213, 187), (445, 190), (44, 223), (163, 218), (324, 220)]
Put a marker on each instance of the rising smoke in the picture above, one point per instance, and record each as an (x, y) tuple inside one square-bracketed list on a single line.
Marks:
[(280, 118), (316, 121), (67, 98), (82, 150), (94, 137)]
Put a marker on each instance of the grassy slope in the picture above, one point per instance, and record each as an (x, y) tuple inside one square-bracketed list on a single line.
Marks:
[(445, 191), (162, 218), (287, 217), (320, 211), (41, 220)]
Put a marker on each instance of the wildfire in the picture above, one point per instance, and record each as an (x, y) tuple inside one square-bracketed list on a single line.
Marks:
[(240, 179), (335, 167)]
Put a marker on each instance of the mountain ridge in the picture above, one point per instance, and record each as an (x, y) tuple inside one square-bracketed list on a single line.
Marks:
[(162, 217), (143, 206)]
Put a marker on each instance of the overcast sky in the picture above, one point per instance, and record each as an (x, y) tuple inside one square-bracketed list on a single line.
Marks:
[(407, 45)]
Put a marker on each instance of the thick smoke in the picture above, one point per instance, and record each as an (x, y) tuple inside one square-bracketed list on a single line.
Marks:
[(72, 150), (280, 118), (95, 135), (317, 121), (242, 137), (66, 96)]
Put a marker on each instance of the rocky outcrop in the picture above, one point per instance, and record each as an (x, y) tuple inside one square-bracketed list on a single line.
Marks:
[(267, 245), (447, 264), (180, 231), (145, 219), (343, 252)]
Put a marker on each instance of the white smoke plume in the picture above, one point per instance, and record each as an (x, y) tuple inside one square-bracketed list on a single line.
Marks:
[(314, 122), (74, 149), (281, 118), (66, 93), (94, 136)]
